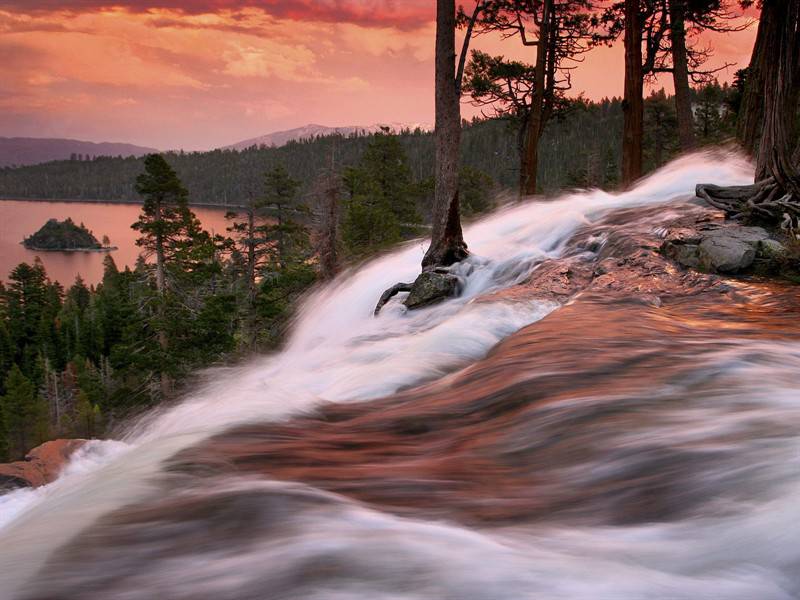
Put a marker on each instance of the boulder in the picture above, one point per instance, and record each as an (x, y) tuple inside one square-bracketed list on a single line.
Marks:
[(40, 466), (720, 248), (725, 254), (685, 254), (431, 287)]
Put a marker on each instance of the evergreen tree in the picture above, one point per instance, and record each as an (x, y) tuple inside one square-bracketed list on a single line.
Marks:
[(475, 191), (290, 238), (660, 123), (369, 222), (168, 230), (24, 414), (381, 197)]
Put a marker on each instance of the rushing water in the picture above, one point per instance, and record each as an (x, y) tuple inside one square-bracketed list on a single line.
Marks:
[(22, 218), (539, 495)]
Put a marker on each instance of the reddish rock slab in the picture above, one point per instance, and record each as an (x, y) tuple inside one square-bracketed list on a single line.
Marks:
[(41, 465)]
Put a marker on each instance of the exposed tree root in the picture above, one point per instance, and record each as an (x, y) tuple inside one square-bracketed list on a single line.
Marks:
[(390, 293), (765, 200)]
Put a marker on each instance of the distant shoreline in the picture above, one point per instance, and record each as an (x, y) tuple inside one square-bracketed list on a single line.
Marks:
[(103, 249), (128, 202)]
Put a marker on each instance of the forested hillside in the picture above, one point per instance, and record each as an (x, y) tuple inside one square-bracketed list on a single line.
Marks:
[(580, 148)]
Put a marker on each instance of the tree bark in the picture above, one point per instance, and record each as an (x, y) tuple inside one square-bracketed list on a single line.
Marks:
[(775, 197), (161, 288), (529, 163), (779, 98), (680, 74), (447, 242), (250, 325), (329, 223), (633, 103), (750, 121)]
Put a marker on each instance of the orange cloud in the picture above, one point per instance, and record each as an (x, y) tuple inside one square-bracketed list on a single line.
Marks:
[(208, 73), (404, 14)]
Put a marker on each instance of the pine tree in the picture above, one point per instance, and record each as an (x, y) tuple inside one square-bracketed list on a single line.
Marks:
[(24, 414), (475, 190), (369, 222), (290, 238), (164, 225), (380, 203)]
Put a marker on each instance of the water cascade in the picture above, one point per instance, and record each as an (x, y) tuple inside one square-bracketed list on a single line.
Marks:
[(611, 445)]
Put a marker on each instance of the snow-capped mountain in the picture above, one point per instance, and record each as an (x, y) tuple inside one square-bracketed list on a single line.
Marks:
[(279, 138)]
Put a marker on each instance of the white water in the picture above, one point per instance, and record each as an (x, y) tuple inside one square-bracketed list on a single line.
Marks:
[(339, 352)]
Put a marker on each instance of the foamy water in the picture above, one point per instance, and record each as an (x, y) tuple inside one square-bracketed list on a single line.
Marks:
[(338, 352)]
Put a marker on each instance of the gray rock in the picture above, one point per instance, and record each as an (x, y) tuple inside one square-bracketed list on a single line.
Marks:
[(685, 254), (718, 248), (431, 287), (725, 254)]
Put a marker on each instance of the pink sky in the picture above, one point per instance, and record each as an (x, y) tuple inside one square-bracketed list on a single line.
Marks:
[(198, 74)]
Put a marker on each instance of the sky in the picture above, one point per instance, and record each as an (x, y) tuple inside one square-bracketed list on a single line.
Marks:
[(199, 74)]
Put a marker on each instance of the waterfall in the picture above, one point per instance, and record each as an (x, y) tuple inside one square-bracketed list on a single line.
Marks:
[(338, 353)]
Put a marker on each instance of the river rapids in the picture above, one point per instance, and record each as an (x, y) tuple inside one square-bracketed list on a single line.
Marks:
[(585, 421)]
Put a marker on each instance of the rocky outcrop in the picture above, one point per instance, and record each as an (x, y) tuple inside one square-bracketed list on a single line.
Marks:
[(431, 287), (40, 466), (721, 247)]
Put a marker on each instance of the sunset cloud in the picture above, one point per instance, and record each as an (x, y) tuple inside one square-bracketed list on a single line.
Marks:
[(396, 13), (204, 73)]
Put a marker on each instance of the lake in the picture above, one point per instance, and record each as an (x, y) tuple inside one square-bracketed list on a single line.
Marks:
[(21, 218)]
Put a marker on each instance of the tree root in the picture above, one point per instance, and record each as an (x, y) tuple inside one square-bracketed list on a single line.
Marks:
[(763, 201), (390, 293)]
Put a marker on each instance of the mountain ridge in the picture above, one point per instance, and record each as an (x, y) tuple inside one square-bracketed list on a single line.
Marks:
[(23, 151), (283, 137)]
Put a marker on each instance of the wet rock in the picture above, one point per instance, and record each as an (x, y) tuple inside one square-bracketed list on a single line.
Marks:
[(685, 254), (725, 254), (40, 466), (717, 248), (431, 287)]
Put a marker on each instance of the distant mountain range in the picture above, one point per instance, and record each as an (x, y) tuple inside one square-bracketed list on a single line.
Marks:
[(30, 151), (279, 138)]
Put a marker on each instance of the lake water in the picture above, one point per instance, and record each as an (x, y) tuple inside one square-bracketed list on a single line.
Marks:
[(21, 218)]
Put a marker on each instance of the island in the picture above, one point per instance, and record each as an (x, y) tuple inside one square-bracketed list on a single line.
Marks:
[(66, 236)]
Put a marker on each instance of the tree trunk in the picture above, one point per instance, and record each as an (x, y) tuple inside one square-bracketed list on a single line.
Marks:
[(633, 103), (680, 74), (779, 97), (447, 242), (250, 325), (161, 286), (529, 163), (750, 121), (329, 225), (775, 196)]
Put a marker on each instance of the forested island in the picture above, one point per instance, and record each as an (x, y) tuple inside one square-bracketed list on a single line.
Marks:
[(65, 236)]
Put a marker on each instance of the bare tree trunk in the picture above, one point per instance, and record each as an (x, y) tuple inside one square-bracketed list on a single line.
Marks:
[(161, 288), (529, 165), (780, 94), (751, 113), (329, 226), (447, 242), (250, 320), (633, 103), (529, 161), (680, 74), (775, 196)]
